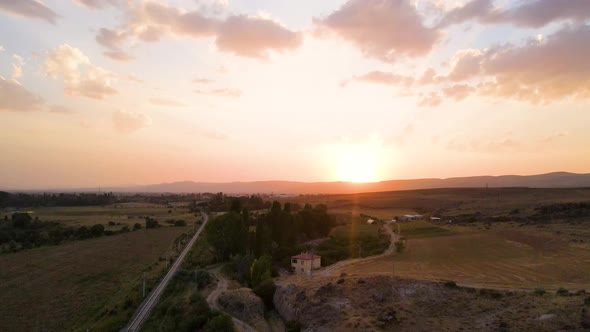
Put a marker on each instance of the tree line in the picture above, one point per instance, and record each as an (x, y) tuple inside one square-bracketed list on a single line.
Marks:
[(18, 200)]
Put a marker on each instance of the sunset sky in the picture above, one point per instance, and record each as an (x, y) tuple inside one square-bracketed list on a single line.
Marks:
[(119, 92)]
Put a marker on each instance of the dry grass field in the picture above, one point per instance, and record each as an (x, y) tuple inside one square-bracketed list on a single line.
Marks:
[(125, 214), (483, 253), (453, 201), (56, 287), (506, 256)]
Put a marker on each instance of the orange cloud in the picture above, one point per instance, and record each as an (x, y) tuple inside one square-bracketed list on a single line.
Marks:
[(383, 29), (380, 77), (255, 36), (238, 34), (533, 14), (80, 76), (127, 122)]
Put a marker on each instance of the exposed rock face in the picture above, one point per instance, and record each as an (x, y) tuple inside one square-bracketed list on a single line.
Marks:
[(243, 304), (383, 303)]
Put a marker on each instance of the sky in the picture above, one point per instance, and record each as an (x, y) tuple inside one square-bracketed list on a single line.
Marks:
[(121, 92)]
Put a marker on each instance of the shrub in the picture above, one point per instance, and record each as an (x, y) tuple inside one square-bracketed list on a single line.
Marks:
[(151, 223), (266, 291), (399, 247), (587, 301), (539, 291), (293, 326), (137, 226), (450, 284), (562, 292), (97, 230), (220, 323), (179, 223)]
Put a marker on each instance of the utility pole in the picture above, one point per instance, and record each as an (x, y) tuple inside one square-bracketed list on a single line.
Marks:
[(143, 285)]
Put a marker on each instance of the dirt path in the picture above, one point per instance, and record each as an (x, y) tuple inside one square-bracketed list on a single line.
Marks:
[(335, 269), (213, 301)]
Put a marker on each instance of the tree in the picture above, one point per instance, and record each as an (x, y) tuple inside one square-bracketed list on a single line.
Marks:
[(227, 235), (151, 223), (21, 220), (97, 230), (260, 270), (137, 226)]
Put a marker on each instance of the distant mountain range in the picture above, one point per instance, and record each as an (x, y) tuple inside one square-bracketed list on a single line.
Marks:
[(549, 180)]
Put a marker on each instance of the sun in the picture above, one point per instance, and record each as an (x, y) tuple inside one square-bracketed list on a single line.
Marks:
[(357, 166)]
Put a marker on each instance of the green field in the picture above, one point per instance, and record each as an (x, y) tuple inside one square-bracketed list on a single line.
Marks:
[(418, 229), (55, 288)]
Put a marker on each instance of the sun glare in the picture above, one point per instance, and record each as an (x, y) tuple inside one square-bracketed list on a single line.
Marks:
[(357, 163)]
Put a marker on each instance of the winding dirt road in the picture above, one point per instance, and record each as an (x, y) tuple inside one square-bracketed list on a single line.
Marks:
[(213, 301)]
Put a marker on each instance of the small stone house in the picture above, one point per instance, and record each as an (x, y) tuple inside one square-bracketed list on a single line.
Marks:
[(306, 262)]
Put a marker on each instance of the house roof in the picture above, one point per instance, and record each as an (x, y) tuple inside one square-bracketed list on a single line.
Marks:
[(306, 256)]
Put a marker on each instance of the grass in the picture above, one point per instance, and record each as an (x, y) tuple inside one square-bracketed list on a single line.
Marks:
[(124, 214), (351, 241), (65, 287), (522, 257), (419, 229)]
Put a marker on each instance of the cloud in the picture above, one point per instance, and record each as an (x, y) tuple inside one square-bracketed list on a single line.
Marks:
[(2, 49), (60, 109), (231, 93), (379, 77), (382, 29), (531, 14), (126, 122), (99, 4), (79, 75), (119, 56), (14, 97), (458, 92), (254, 36), (166, 102), (28, 8), (556, 136), (431, 99), (17, 66), (248, 36), (203, 81)]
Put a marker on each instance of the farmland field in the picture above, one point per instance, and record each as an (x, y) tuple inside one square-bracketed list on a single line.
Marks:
[(124, 214), (57, 287), (502, 257)]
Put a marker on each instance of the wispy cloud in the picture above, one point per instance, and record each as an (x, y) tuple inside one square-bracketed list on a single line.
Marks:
[(28, 8)]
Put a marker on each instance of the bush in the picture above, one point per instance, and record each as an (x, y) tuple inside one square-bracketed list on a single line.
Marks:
[(539, 291), (562, 292), (587, 301), (179, 223), (220, 323), (151, 223), (136, 226), (266, 291), (399, 247), (450, 284), (97, 230), (293, 326)]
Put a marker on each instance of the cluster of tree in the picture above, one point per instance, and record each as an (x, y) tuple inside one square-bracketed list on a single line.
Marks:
[(220, 202), (275, 233), (253, 242), (18, 200), (24, 232)]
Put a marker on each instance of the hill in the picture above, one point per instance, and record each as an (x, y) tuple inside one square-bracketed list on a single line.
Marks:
[(549, 180)]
